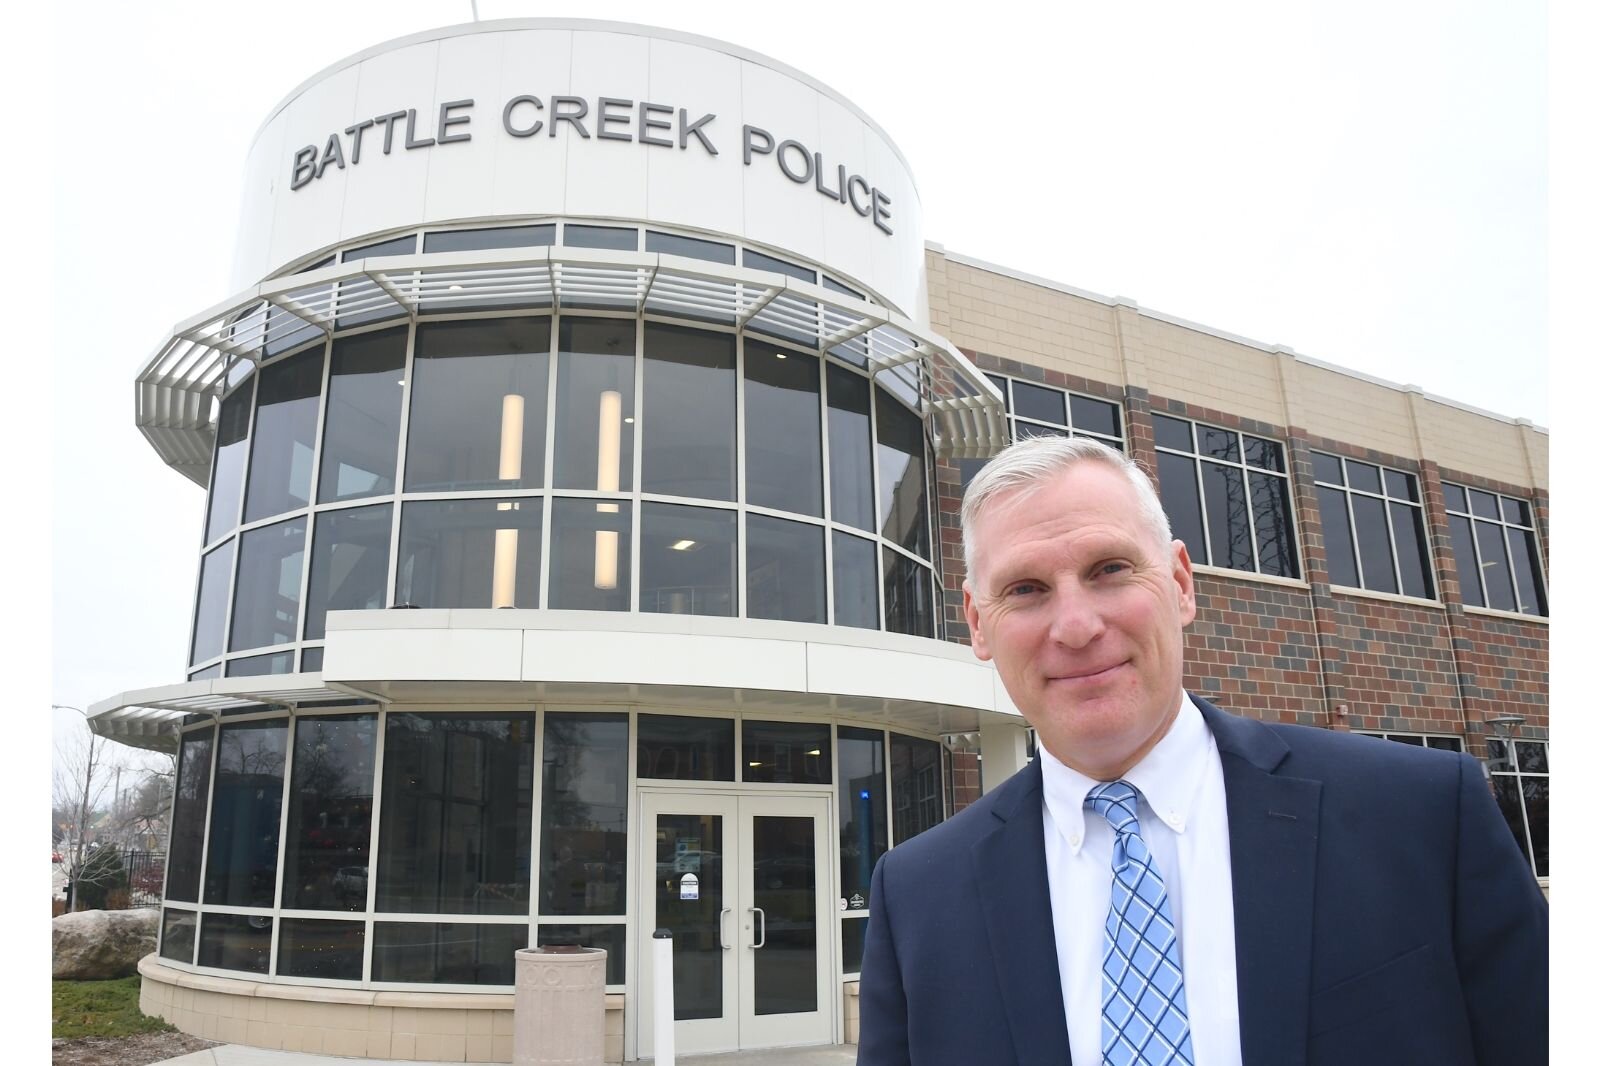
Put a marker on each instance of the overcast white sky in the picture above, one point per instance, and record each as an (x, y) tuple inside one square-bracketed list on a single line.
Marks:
[(1364, 182)]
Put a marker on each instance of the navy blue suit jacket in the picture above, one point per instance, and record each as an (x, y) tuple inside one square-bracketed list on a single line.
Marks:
[(1383, 914)]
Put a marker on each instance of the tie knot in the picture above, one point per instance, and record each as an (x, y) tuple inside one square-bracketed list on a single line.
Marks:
[(1118, 803)]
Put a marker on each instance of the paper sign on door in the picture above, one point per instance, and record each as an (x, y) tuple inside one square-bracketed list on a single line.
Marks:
[(689, 887)]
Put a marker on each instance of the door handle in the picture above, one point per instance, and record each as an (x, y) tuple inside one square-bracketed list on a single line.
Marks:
[(722, 940), (762, 942)]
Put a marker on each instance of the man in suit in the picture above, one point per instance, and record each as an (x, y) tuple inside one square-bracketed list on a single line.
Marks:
[(1168, 883)]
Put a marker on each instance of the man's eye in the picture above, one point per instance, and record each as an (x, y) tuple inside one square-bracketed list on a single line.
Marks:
[(1022, 588), (1113, 568)]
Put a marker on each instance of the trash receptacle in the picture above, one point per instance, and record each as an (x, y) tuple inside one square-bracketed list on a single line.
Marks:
[(560, 1013)]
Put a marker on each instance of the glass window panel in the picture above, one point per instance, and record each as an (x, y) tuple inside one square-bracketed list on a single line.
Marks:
[(1004, 385), (212, 671), (689, 388), (330, 814), (281, 662), (784, 753), (915, 776), (242, 852), (594, 405), (227, 467), (1508, 796), (1532, 757), (313, 947), (1536, 802), (478, 398), (266, 595), (784, 879), (1466, 553), (1363, 476), (1517, 512), (680, 748), (177, 935), (470, 553), (1399, 485), (1096, 416), (1269, 501), (1264, 454), (692, 844), (1411, 549), (1496, 566), (969, 469), (855, 582), (612, 939), (189, 815), (361, 429), (1372, 541), (907, 596), (465, 240), (1530, 589), (1327, 468), (1455, 497), (757, 261), (236, 941), (446, 953), (211, 606), (783, 570), (1499, 754), (389, 246), (692, 247), (614, 237), (1180, 498), (310, 660), (1336, 538), (1447, 743), (457, 814), (1173, 433), (783, 443), (688, 560), (863, 812), (591, 555), (583, 838), (1227, 516), (1219, 443), (1484, 504), (1404, 738), (850, 448), (1027, 430), (903, 476), (834, 286), (853, 940), (285, 440), (1036, 401), (349, 564)]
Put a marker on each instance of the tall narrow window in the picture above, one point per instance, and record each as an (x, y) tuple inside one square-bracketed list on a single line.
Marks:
[(361, 429), (1496, 549), (1372, 525), (783, 441), (227, 469), (594, 405), (903, 475), (330, 814), (190, 796), (285, 439), (689, 387), (242, 853)]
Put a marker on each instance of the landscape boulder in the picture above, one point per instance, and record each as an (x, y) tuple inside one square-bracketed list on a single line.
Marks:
[(100, 945)]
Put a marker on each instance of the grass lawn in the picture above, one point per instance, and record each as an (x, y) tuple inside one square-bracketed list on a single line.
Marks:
[(99, 1008)]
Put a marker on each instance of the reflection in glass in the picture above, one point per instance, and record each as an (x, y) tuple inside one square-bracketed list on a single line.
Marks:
[(236, 941), (189, 815), (478, 399), (691, 845), (361, 428), (612, 938), (1266, 454), (1466, 553), (850, 448), (907, 596), (266, 595), (914, 774), (591, 553), (1180, 498), (1409, 545), (242, 852), (278, 662), (681, 748), (783, 852), (211, 608), (227, 468), (330, 814), (313, 947), (583, 837), (853, 941), (177, 935), (469, 553), (457, 814), (688, 561), (1533, 757), (1372, 540), (1227, 513), (688, 411), (1219, 443), (1336, 539), (594, 405), (783, 570), (783, 753), (1269, 499), (1530, 589), (903, 474), (1509, 798), (446, 953), (284, 444), (782, 416), (1536, 799), (349, 564), (1496, 566), (855, 581), (863, 812), (212, 671)]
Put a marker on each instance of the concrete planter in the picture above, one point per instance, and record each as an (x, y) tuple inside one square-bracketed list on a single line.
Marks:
[(560, 1007)]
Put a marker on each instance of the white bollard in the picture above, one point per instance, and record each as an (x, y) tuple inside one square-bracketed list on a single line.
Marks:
[(666, 1050)]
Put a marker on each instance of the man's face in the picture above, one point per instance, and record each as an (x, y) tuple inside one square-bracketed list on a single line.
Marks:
[(1082, 611)]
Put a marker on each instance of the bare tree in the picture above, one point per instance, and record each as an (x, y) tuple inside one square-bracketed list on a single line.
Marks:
[(85, 768)]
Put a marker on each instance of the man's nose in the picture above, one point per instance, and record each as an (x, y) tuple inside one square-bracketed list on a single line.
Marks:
[(1075, 621)]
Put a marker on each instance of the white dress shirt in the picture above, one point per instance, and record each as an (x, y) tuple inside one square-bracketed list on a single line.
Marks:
[(1183, 817)]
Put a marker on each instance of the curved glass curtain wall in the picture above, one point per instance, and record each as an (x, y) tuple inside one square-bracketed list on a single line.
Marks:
[(422, 848), (563, 459)]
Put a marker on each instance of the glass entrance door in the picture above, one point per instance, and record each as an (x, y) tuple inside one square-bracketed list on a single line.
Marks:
[(742, 882)]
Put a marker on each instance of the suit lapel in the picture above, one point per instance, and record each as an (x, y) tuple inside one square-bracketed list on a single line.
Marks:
[(1272, 831), (1014, 893)]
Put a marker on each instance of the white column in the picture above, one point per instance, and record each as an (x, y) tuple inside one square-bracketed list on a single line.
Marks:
[(1004, 744)]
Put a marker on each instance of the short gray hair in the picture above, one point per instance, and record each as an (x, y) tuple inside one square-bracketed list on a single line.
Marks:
[(1027, 463)]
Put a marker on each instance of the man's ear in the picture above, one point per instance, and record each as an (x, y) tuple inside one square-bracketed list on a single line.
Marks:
[(980, 646), (1183, 574)]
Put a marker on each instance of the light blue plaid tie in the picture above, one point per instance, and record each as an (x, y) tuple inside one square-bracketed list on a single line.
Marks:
[(1144, 1017)]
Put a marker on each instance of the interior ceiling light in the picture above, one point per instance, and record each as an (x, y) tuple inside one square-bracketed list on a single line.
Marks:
[(683, 545)]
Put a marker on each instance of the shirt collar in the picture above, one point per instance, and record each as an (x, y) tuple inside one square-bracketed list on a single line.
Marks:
[(1168, 777)]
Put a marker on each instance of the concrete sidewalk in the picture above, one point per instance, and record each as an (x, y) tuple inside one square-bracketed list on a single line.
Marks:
[(240, 1055)]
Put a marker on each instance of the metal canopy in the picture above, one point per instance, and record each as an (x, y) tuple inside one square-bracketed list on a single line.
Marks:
[(174, 393), (150, 718)]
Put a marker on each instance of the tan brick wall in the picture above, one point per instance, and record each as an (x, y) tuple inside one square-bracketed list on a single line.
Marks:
[(1198, 368), (1348, 409), (1472, 444)]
